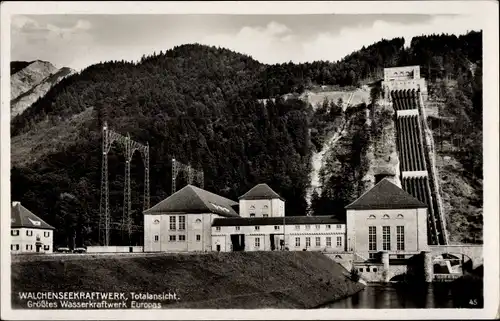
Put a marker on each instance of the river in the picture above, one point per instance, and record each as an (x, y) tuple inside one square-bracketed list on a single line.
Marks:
[(397, 296)]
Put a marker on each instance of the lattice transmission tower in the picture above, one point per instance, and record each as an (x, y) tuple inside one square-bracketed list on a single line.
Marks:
[(192, 174), (108, 138)]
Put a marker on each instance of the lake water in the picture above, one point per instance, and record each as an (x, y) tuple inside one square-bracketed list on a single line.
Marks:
[(398, 296)]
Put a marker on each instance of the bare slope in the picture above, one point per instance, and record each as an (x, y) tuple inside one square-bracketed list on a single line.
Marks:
[(212, 280), (26, 99)]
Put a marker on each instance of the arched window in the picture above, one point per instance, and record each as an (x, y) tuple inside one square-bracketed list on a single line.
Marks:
[(197, 220), (371, 217), (385, 216), (400, 216)]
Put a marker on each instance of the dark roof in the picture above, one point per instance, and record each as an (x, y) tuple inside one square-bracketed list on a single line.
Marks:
[(289, 220), (385, 195), (259, 192), (20, 217), (194, 200)]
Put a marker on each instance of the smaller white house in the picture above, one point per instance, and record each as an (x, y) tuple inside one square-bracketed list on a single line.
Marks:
[(261, 201), (28, 232)]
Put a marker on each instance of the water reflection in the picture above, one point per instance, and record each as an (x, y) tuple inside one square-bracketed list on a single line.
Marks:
[(397, 296)]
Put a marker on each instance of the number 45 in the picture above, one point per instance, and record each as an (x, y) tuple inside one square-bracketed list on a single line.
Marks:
[(473, 301)]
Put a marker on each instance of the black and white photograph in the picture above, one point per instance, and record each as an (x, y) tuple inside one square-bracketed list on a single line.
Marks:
[(249, 160)]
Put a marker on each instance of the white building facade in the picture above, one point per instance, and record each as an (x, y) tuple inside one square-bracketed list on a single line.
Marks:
[(386, 218), (182, 222), (28, 232), (301, 233)]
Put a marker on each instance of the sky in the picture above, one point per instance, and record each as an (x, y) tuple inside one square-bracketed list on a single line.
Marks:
[(78, 41)]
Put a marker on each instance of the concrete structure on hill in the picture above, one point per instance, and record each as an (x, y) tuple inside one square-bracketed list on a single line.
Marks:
[(28, 232), (398, 78)]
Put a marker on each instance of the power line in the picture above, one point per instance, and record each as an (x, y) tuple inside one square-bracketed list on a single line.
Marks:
[(108, 138)]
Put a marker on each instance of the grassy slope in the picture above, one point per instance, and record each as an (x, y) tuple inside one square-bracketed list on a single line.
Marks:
[(46, 138), (213, 280)]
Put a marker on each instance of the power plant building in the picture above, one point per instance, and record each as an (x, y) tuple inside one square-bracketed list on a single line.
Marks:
[(385, 218)]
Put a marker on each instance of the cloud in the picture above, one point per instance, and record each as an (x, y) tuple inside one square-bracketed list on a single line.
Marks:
[(32, 39), (277, 43)]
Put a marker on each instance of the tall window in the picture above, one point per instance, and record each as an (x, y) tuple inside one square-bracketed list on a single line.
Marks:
[(182, 238), (217, 228), (198, 237), (257, 242), (318, 227), (257, 228), (276, 227), (339, 241), (182, 222), (386, 238), (297, 227), (372, 238), (237, 228), (172, 238), (400, 238), (14, 232), (318, 241), (308, 242), (328, 227), (308, 227), (328, 241), (46, 234), (297, 241), (157, 238), (29, 233), (172, 222), (339, 226)]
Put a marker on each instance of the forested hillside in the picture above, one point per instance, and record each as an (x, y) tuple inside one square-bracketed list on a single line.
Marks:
[(200, 105)]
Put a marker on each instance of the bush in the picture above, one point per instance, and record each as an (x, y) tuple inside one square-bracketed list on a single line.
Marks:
[(354, 275)]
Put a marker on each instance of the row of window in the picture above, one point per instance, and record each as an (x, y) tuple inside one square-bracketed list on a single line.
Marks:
[(182, 223), (265, 212), (386, 216), (277, 227), (318, 226), (386, 238), (318, 241), (173, 238), (29, 247), (368, 269), (28, 233)]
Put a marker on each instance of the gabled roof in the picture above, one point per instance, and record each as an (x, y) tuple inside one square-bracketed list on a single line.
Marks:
[(276, 220), (385, 195), (260, 192), (21, 217), (194, 200)]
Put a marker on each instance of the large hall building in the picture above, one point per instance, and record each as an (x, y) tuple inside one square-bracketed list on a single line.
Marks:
[(385, 218)]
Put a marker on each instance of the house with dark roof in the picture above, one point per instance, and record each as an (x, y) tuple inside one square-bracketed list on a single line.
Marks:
[(182, 222), (29, 233), (262, 201), (386, 218)]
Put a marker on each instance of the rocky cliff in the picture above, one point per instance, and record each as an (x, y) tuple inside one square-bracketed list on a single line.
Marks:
[(31, 82)]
